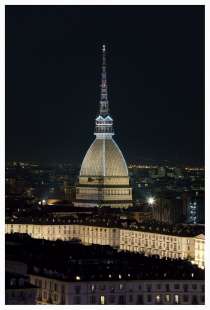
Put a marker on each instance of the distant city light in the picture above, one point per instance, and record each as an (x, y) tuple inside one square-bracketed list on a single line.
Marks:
[(151, 200)]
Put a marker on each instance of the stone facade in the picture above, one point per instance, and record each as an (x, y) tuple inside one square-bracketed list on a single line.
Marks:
[(164, 245), (148, 292)]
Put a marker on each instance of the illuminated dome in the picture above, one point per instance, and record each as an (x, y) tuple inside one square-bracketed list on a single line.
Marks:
[(103, 179), (104, 158)]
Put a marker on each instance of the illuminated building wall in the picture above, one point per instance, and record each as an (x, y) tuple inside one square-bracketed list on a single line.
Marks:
[(199, 250), (124, 239)]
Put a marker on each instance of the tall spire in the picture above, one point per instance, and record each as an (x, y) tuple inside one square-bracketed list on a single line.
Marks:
[(104, 104), (104, 122)]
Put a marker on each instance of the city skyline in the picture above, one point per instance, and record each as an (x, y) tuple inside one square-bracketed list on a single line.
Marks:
[(155, 81), (104, 170)]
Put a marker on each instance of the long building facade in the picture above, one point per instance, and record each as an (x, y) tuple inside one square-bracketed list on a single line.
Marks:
[(149, 243), (129, 292), (103, 179)]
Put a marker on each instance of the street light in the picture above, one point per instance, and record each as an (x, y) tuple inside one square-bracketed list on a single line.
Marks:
[(151, 201)]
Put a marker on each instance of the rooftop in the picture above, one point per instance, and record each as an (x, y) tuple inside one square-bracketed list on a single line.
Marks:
[(106, 220)]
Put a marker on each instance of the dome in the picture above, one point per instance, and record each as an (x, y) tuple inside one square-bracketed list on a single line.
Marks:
[(104, 158)]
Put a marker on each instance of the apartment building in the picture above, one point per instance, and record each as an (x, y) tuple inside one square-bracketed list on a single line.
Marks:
[(129, 292), (133, 240)]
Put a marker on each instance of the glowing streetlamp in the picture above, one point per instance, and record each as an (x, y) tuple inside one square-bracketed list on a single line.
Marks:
[(151, 201)]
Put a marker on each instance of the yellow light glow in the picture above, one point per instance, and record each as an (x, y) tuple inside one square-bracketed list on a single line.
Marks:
[(102, 300)]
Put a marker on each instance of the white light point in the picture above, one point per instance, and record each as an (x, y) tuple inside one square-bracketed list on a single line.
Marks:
[(151, 200)]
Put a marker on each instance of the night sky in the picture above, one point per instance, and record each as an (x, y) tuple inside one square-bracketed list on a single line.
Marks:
[(155, 79)]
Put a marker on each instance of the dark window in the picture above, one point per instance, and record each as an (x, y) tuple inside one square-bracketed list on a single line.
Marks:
[(202, 298), (130, 298), (185, 287), (121, 300), (45, 295), (39, 296), (77, 289), (63, 288), (194, 300), (148, 288), (167, 288), (55, 297), (112, 289), (13, 294), (63, 300), (185, 298), (93, 300), (149, 298), (176, 286), (140, 300), (76, 300), (194, 286)]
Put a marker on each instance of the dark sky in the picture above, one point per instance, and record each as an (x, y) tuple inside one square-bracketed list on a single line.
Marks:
[(155, 78)]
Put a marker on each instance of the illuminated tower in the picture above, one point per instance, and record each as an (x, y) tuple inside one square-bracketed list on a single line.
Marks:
[(103, 179)]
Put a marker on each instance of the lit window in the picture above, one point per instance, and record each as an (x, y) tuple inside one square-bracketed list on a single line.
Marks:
[(176, 299), (158, 298), (102, 299), (167, 297)]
